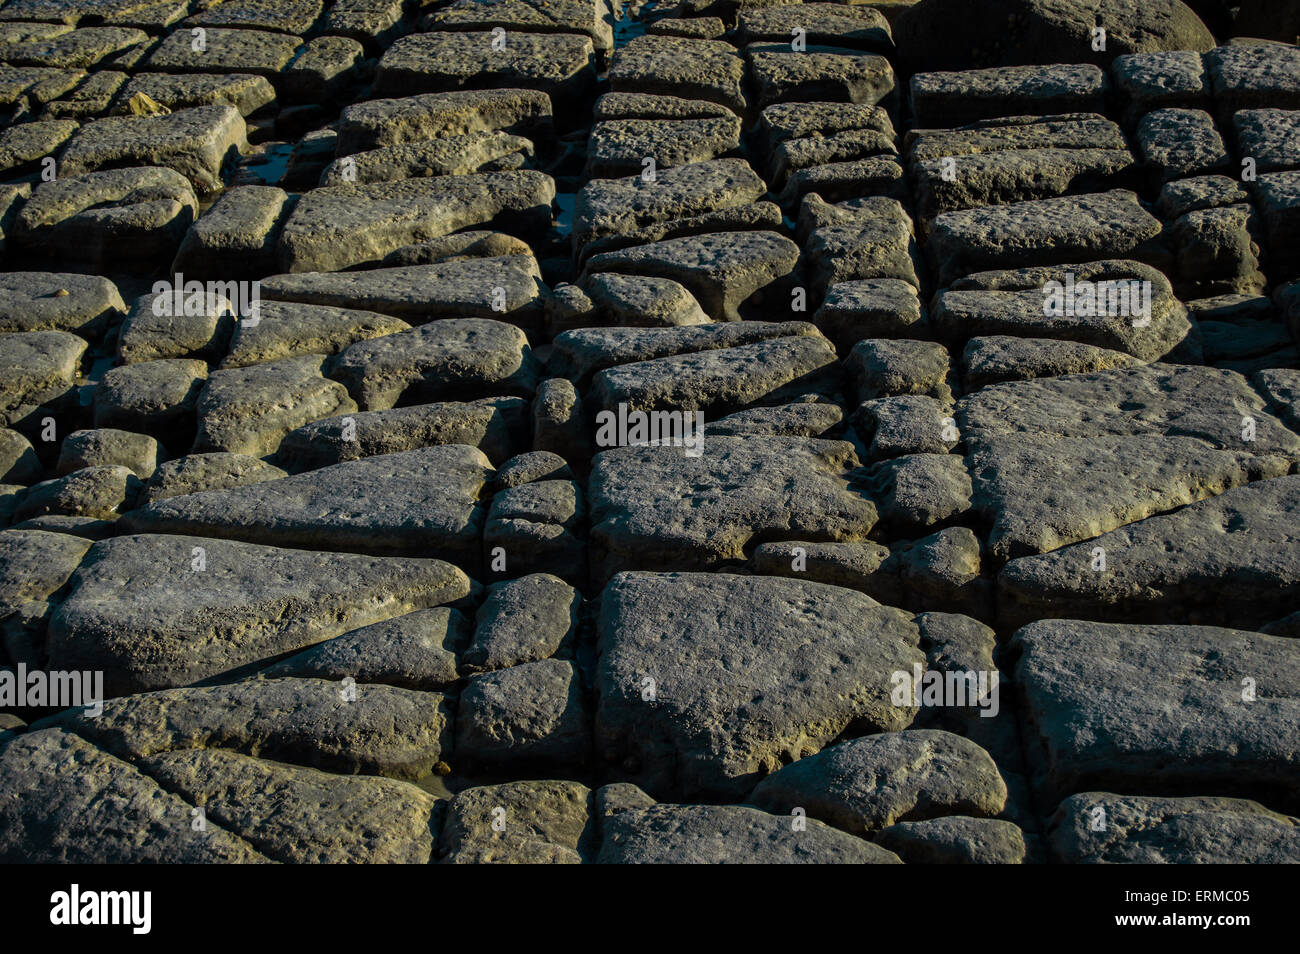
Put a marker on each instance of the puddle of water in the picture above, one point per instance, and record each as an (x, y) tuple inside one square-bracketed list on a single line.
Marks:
[(98, 368), (266, 167), (565, 202), (629, 21)]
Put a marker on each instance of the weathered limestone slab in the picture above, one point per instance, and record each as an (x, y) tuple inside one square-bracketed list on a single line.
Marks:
[(657, 508), (337, 226), (197, 143), (1192, 728), (378, 505), (154, 614), (385, 731), (734, 697)]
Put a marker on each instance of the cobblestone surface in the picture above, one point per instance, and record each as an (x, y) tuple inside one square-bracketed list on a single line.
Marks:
[(541, 431)]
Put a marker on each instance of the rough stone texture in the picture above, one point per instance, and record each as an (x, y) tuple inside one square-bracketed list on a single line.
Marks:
[(139, 214), (992, 359), (530, 16), (261, 52), (1045, 232), (868, 308), (156, 397), (723, 706), (36, 565), (490, 424), (530, 466), (531, 822), (415, 651), (607, 207), (948, 184), (1267, 136), (580, 353), (1192, 728), (721, 379), (422, 291), (452, 358), (454, 155), (522, 621), (708, 70), (948, 99), (620, 147), (884, 367), (558, 64), (290, 329), (637, 300), (805, 419), (721, 502), (724, 834), (388, 122), (1179, 441), (337, 226), (535, 526), (870, 783), (339, 343), (107, 448), (1161, 568), (1142, 830), (195, 142), (270, 805), (199, 472), (1014, 302), (1251, 76), (820, 72), (156, 329), (919, 491), (531, 714), (724, 271), (382, 731), (373, 505), (866, 239), (237, 235), (18, 461), (247, 92), (36, 368), (250, 410), (935, 34), (63, 801), (56, 301), (906, 424), (91, 492), (956, 841), (1177, 143), (154, 614)]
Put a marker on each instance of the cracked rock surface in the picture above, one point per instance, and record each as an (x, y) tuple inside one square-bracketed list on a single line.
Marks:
[(512, 431)]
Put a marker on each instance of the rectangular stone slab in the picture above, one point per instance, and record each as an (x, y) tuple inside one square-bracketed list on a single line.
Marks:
[(1234, 558), (158, 611), (1044, 232), (398, 733), (337, 226), (389, 122), (1161, 710), (557, 64), (758, 671), (654, 508), (378, 505)]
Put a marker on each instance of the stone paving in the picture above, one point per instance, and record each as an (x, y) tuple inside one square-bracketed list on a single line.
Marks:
[(545, 431)]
